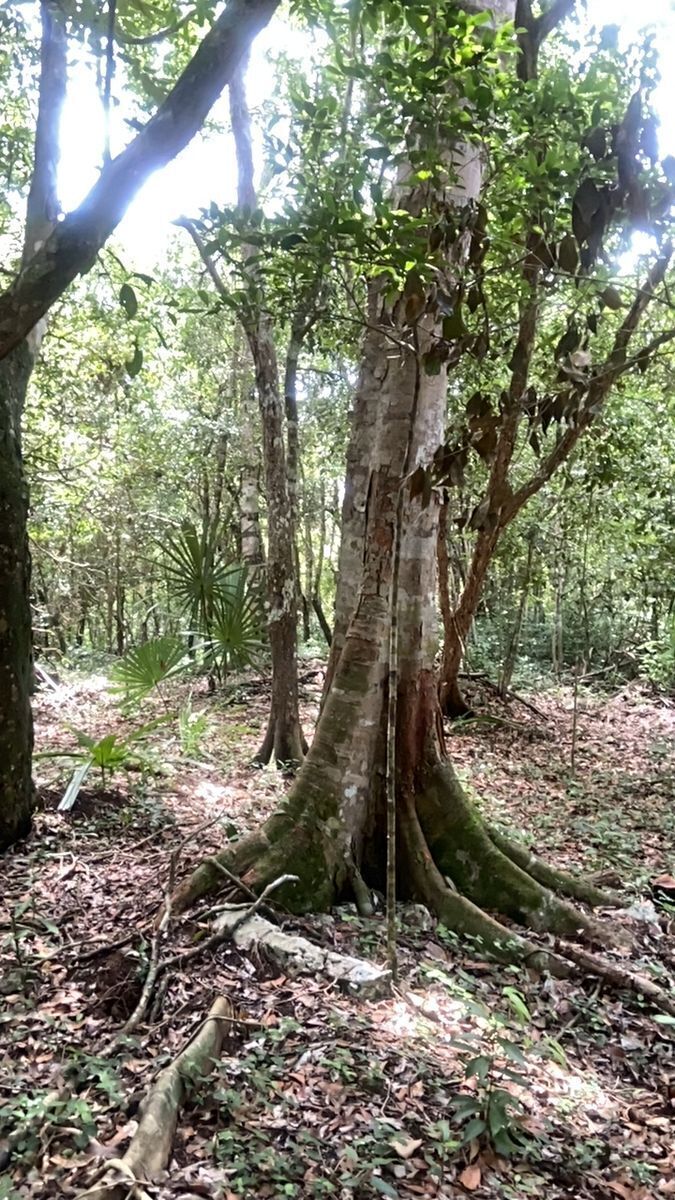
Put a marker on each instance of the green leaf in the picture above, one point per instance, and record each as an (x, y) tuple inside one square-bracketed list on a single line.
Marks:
[(473, 1129), (134, 364), (384, 1188), (517, 1003), (416, 21), (558, 1054), (513, 1052), (128, 300), (478, 1066), (145, 667)]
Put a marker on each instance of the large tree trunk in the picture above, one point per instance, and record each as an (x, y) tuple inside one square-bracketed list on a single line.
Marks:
[(331, 831), (16, 726)]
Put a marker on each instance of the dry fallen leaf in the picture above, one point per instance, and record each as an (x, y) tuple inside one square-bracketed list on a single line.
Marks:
[(470, 1177), (405, 1146)]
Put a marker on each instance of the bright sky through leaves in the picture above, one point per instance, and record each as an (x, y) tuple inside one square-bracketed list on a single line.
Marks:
[(206, 170)]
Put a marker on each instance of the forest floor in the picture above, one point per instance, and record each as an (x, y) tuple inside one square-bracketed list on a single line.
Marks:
[(321, 1094)]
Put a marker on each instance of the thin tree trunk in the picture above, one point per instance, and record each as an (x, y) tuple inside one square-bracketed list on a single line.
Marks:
[(16, 673), (583, 581), (293, 454), (317, 572), (283, 740), (557, 650), (457, 624), (119, 596), (511, 658)]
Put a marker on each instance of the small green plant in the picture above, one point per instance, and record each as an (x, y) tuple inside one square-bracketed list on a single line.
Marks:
[(39, 1117), (192, 729), (109, 753), (491, 1112), (25, 921)]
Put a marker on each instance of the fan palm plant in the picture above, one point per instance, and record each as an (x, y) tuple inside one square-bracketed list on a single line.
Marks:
[(234, 636), (222, 600), (195, 572)]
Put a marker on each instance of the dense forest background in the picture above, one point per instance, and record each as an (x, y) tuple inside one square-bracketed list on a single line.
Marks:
[(337, 614)]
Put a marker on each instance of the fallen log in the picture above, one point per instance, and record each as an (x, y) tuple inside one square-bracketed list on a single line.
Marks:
[(149, 1151)]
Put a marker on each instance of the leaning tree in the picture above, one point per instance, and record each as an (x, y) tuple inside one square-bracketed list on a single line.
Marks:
[(54, 253), (379, 743), (523, 401)]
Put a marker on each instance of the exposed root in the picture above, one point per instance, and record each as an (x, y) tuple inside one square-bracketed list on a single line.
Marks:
[(150, 1148), (562, 882), (462, 916), (210, 875), (464, 851), (296, 955), (288, 842), (618, 977)]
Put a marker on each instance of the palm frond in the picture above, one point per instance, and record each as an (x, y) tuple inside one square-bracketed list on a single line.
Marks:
[(144, 667), (194, 571), (236, 624)]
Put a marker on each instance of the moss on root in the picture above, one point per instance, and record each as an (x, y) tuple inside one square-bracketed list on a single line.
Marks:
[(460, 914), (464, 851), (557, 880), (284, 845)]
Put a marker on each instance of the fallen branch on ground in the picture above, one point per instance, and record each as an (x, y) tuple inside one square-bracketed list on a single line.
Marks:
[(618, 977), (156, 967), (508, 695), (150, 1148), (299, 956), (225, 933)]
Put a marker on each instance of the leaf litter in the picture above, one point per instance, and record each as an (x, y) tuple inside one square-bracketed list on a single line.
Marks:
[(470, 1079)]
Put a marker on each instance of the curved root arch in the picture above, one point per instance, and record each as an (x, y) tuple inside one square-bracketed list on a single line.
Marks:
[(469, 878)]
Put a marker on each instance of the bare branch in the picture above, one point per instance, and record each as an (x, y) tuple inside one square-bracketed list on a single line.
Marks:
[(186, 223), (42, 210), (127, 39), (553, 16), (534, 31), (241, 129), (73, 245)]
